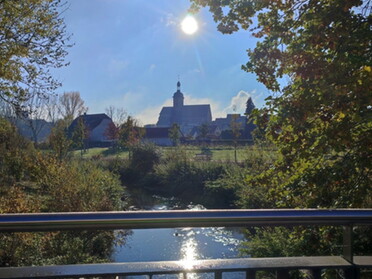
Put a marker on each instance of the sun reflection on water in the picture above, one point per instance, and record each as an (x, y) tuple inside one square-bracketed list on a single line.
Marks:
[(189, 253)]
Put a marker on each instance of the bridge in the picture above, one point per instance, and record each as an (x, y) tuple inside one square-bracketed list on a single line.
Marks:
[(347, 218)]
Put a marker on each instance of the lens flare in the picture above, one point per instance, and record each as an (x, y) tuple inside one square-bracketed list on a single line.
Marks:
[(189, 25)]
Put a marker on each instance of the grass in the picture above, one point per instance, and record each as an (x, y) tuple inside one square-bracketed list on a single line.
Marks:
[(104, 152), (219, 153)]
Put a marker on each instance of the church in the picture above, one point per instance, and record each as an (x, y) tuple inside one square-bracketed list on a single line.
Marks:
[(186, 116)]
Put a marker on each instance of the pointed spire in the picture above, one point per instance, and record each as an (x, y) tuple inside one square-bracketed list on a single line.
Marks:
[(178, 84)]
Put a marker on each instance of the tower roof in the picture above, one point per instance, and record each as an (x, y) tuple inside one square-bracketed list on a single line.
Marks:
[(178, 93)]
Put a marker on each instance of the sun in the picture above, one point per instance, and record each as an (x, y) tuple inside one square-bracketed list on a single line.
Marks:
[(189, 25)]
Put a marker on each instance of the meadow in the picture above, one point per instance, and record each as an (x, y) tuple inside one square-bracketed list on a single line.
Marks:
[(215, 153)]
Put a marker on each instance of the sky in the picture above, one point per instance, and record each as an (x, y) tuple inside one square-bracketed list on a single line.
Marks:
[(131, 53)]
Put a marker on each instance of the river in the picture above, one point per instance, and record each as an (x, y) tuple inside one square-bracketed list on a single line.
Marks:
[(185, 244)]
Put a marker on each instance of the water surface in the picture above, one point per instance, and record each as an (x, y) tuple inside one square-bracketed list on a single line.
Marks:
[(185, 244)]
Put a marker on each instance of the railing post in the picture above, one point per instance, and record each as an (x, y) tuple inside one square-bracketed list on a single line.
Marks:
[(353, 272), (218, 274), (282, 274), (316, 273), (250, 274), (348, 243)]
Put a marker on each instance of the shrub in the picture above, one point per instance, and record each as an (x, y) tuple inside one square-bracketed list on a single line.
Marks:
[(144, 157)]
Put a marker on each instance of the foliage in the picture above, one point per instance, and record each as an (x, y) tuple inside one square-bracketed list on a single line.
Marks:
[(79, 135), (112, 131), (130, 133), (174, 134), (320, 121), (32, 40), (13, 148), (180, 177), (144, 157), (234, 179), (43, 183), (59, 140), (249, 107)]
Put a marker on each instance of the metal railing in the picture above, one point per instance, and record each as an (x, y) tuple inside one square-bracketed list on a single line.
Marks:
[(347, 218)]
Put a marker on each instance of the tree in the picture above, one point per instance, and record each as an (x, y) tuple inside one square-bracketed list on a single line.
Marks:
[(6, 110), (130, 133), (249, 107), (118, 117), (71, 105), (52, 110), (79, 135), (174, 134), (320, 119), (32, 41), (235, 127), (34, 115), (59, 141), (249, 127)]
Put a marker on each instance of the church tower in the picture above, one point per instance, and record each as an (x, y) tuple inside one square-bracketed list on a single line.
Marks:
[(178, 97)]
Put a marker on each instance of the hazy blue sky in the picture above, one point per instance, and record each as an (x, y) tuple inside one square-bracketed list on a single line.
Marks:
[(129, 53)]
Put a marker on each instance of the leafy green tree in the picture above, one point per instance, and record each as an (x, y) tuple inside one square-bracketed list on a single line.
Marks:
[(80, 135), (54, 186), (59, 141), (321, 118), (249, 107), (130, 133), (174, 134), (32, 41), (13, 148)]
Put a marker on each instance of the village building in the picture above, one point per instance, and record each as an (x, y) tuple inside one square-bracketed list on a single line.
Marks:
[(225, 122), (212, 132), (157, 135), (96, 126), (185, 116)]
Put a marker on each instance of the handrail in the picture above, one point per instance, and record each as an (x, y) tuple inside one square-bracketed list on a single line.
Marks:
[(191, 218), (182, 218)]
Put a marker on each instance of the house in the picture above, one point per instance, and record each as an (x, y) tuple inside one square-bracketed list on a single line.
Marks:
[(185, 116), (158, 136), (96, 126), (213, 132), (225, 123)]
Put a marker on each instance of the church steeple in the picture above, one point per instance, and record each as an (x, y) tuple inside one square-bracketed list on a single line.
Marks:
[(178, 97)]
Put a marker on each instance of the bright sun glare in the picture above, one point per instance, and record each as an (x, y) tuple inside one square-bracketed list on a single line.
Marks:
[(189, 25)]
